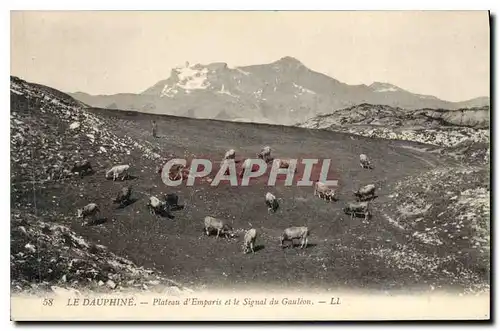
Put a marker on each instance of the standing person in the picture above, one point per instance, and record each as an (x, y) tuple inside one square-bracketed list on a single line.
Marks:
[(154, 129)]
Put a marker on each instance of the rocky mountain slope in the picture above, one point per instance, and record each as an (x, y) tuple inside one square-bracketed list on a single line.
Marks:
[(283, 92), (48, 130), (380, 115), (48, 256), (429, 231), (441, 207), (430, 126)]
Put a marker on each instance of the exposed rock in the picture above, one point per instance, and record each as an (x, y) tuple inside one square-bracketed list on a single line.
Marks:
[(111, 284), (74, 125)]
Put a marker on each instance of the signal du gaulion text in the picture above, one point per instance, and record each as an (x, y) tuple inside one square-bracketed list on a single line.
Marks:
[(231, 302)]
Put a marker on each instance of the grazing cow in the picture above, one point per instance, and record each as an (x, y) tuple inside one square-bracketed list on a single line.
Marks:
[(271, 202), (323, 191), (156, 206), (82, 168), (265, 154), (124, 196), (230, 155), (211, 223), (365, 193), (249, 241), (295, 232), (358, 209), (118, 171), (364, 162), (90, 210)]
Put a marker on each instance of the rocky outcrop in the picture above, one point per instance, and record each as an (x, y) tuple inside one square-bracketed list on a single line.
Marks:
[(47, 256), (437, 127), (446, 207), (478, 118), (57, 131)]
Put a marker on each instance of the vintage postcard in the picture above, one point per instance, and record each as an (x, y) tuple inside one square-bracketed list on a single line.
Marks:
[(250, 166)]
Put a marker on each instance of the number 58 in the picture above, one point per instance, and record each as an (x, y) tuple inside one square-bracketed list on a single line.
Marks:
[(47, 302)]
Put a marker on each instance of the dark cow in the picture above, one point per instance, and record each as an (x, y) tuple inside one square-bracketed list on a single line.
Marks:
[(358, 209), (82, 168), (365, 193)]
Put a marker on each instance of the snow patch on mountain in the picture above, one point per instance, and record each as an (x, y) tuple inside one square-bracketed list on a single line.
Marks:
[(303, 89), (223, 91), (384, 87), (258, 93), (188, 78), (422, 96), (387, 89), (168, 91), (192, 79)]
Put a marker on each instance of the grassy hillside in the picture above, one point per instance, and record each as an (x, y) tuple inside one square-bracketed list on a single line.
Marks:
[(342, 252)]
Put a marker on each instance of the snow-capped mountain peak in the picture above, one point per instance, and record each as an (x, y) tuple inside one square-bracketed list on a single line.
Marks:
[(186, 78), (262, 93)]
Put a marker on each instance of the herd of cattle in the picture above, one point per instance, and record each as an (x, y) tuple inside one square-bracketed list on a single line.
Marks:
[(163, 206)]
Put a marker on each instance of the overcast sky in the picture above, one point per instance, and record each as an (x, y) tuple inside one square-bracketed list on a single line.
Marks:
[(445, 54)]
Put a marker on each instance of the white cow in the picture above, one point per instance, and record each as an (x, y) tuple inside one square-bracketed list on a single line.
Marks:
[(211, 223), (249, 241), (156, 206), (295, 232), (118, 171), (90, 210), (323, 191), (271, 202), (364, 162), (265, 153)]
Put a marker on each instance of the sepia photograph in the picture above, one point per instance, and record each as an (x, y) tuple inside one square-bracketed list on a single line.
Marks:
[(250, 165)]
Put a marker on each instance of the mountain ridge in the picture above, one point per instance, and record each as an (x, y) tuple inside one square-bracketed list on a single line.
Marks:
[(281, 92)]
